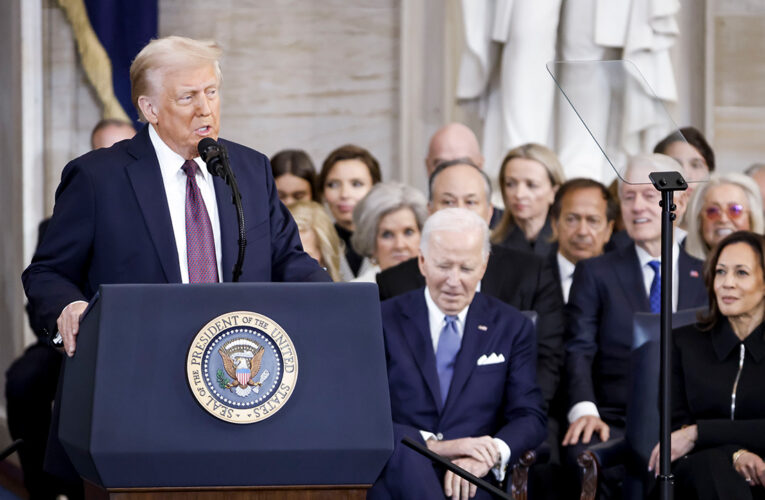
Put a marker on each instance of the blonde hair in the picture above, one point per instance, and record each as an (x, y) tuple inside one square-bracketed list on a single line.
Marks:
[(310, 215), (169, 52), (529, 151), (694, 242)]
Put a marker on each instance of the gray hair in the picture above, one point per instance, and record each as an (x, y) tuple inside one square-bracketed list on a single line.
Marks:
[(457, 220), (694, 243), (169, 52), (754, 168), (459, 161), (647, 162), (382, 199)]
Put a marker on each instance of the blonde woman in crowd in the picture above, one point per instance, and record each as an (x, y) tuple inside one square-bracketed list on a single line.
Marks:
[(529, 176), (318, 235)]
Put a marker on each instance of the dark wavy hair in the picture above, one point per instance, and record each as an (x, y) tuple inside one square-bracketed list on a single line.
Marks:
[(298, 163), (349, 152), (756, 242), (695, 138)]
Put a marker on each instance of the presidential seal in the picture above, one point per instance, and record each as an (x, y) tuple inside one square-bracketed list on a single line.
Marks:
[(242, 367)]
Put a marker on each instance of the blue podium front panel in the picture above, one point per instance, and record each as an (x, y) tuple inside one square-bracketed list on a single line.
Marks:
[(129, 417)]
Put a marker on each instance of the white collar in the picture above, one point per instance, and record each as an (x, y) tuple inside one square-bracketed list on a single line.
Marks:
[(644, 257), (565, 266), (171, 162), (436, 315)]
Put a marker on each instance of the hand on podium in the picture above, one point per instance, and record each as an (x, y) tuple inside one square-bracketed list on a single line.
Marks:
[(68, 324)]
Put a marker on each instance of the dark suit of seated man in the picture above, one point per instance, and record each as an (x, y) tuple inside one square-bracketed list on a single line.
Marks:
[(461, 369), (518, 278), (605, 294), (147, 211)]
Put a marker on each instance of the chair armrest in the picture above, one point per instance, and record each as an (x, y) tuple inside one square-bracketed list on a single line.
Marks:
[(597, 457), (520, 478), (610, 453)]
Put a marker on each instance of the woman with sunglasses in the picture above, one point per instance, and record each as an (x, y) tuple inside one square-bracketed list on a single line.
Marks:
[(728, 202)]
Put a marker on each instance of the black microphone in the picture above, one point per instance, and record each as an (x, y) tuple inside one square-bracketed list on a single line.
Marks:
[(213, 155)]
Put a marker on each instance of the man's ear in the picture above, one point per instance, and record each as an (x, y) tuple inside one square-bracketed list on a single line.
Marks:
[(148, 109), (421, 263)]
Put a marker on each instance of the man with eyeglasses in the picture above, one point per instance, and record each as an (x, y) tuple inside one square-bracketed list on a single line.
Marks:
[(605, 294)]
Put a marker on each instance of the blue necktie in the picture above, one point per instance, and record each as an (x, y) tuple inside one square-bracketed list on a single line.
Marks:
[(446, 354), (654, 298)]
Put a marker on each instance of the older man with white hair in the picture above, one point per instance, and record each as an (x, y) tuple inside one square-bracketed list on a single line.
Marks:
[(461, 368), (147, 210), (606, 293)]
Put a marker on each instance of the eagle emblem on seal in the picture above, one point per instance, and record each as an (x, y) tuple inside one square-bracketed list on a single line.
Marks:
[(241, 360)]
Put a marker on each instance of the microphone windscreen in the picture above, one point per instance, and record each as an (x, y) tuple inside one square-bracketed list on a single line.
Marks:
[(207, 146)]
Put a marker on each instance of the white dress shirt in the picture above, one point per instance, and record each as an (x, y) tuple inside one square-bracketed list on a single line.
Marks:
[(648, 274), (436, 322), (566, 270), (174, 180), (583, 408)]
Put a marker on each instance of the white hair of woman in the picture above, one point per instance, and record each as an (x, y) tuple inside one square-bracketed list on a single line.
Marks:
[(384, 198), (694, 243)]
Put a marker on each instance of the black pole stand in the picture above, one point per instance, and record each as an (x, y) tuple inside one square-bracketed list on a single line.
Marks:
[(667, 183), (435, 457), (13, 447), (215, 156), (236, 198)]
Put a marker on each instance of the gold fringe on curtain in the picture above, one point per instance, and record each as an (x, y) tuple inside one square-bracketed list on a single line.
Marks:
[(95, 60)]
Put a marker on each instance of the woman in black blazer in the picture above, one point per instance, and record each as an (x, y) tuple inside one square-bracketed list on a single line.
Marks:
[(719, 380)]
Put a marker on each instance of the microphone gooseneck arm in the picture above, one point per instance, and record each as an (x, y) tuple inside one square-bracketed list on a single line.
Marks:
[(215, 156)]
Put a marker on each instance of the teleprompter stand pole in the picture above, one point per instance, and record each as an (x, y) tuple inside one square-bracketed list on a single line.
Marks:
[(436, 458), (667, 183)]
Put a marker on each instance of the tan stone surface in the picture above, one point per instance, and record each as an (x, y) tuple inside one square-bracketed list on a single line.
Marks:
[(739, 65), (313, 75)]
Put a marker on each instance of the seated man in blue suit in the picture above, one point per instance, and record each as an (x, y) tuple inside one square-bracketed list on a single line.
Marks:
[(147, 211), (461, 368), (606, 293)]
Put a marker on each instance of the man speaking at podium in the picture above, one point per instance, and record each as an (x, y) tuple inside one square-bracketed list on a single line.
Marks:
[(461, 369), (147, 210)]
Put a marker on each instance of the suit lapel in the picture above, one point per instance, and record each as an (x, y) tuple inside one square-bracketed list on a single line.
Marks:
[(418, 339), (691, 291), (627, 272), (146, 180), (474, 341), (229, 227)]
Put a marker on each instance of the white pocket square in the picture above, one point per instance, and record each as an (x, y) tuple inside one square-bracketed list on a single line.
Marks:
[(491, 359)]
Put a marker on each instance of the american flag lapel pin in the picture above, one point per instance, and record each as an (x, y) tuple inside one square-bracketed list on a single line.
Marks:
[(694, 273), (483, 328)]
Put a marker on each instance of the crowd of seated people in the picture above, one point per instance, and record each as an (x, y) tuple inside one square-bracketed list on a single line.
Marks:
[(554, 251)]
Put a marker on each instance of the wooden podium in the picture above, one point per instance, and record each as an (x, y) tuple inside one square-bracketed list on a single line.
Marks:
[(351, 492), (133, 428)]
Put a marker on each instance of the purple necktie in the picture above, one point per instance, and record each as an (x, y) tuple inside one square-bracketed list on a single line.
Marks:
[(200, 244)]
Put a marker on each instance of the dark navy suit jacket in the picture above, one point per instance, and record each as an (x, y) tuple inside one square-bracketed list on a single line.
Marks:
[(111, 224), (500, 400), (606, 293), (518, 278)]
